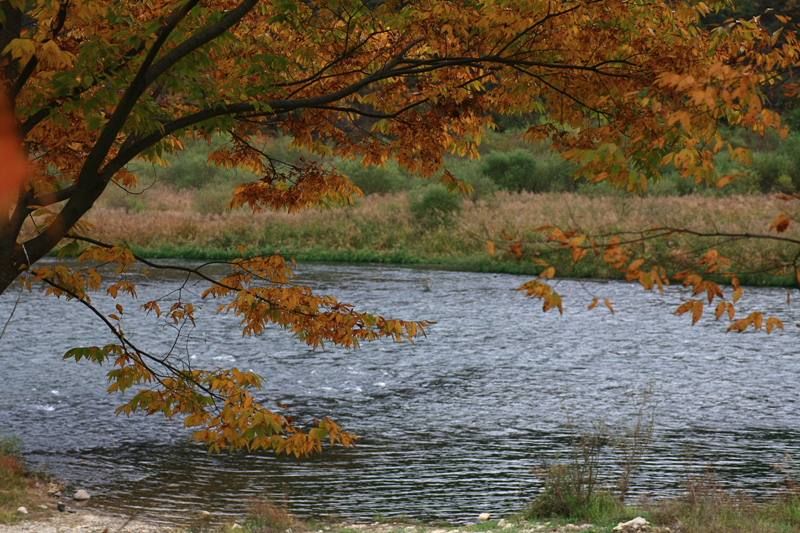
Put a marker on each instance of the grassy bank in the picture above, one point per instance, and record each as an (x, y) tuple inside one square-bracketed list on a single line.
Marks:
[(712, 512), (19, 487), (394, 229)]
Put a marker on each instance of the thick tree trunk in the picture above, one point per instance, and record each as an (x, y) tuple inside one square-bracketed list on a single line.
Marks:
[(9, 268)]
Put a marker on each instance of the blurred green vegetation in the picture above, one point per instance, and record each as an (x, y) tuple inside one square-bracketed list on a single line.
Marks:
[(506, 163)]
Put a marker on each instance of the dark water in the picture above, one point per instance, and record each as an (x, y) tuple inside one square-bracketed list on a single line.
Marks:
[(449, 426)]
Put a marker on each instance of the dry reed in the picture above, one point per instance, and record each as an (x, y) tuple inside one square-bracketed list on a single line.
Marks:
[(382, 225)]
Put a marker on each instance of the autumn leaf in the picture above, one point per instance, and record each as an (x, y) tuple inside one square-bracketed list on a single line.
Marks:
[(608, 304), (593, 304), (772, 323), (780, 224), (490, 247), (697, 311)]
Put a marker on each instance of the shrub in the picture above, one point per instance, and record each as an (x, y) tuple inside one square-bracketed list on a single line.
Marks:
[(470, 172), (515, 171), (268, 516), (375, 180), (433, 205), (558, 173), (574, 488)]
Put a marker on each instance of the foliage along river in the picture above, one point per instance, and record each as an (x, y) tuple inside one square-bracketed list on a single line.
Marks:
[(450, 426)]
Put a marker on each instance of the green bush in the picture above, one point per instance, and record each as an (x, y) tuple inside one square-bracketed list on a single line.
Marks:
[(433, 205), (515, 171), (558, 173), (779, 170), (376, 180), (470, 172)]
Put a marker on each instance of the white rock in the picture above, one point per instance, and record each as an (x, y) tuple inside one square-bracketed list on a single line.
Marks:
[(43, 507), (508, 526), (236, 526), (484, 516), (632, 525), (501, 523), (81, 495), (22, 510), (204, 514)]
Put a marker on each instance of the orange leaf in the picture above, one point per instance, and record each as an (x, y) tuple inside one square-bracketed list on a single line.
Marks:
[(608, 304), (578, 253), (720, 310), (490, 247), (780, 224), (772, 323), (697, 311), (740, 325), (731, 311), (594, 302), (684, 307)]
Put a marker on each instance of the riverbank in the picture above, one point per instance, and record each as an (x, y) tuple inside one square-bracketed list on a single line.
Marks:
[(704, 509), (87, 521), (394, 229)]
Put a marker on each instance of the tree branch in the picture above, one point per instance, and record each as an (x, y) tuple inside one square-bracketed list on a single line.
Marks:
[(199, 39)]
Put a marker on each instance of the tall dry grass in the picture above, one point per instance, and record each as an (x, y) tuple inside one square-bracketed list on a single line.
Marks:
[(378, 227)]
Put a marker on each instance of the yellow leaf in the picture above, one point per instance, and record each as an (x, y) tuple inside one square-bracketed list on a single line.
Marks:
[(737, 293), (548, 273), (490, 247)]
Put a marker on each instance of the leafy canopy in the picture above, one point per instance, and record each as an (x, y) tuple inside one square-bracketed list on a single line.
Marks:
[(623, 87)]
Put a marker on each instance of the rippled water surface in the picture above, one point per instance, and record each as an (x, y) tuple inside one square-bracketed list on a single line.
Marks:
[(449, 426)]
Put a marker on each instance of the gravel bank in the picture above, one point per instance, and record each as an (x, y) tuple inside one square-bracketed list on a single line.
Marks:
[(82, 522)]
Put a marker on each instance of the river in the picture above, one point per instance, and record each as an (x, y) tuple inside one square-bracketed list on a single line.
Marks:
[(449, 427)]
